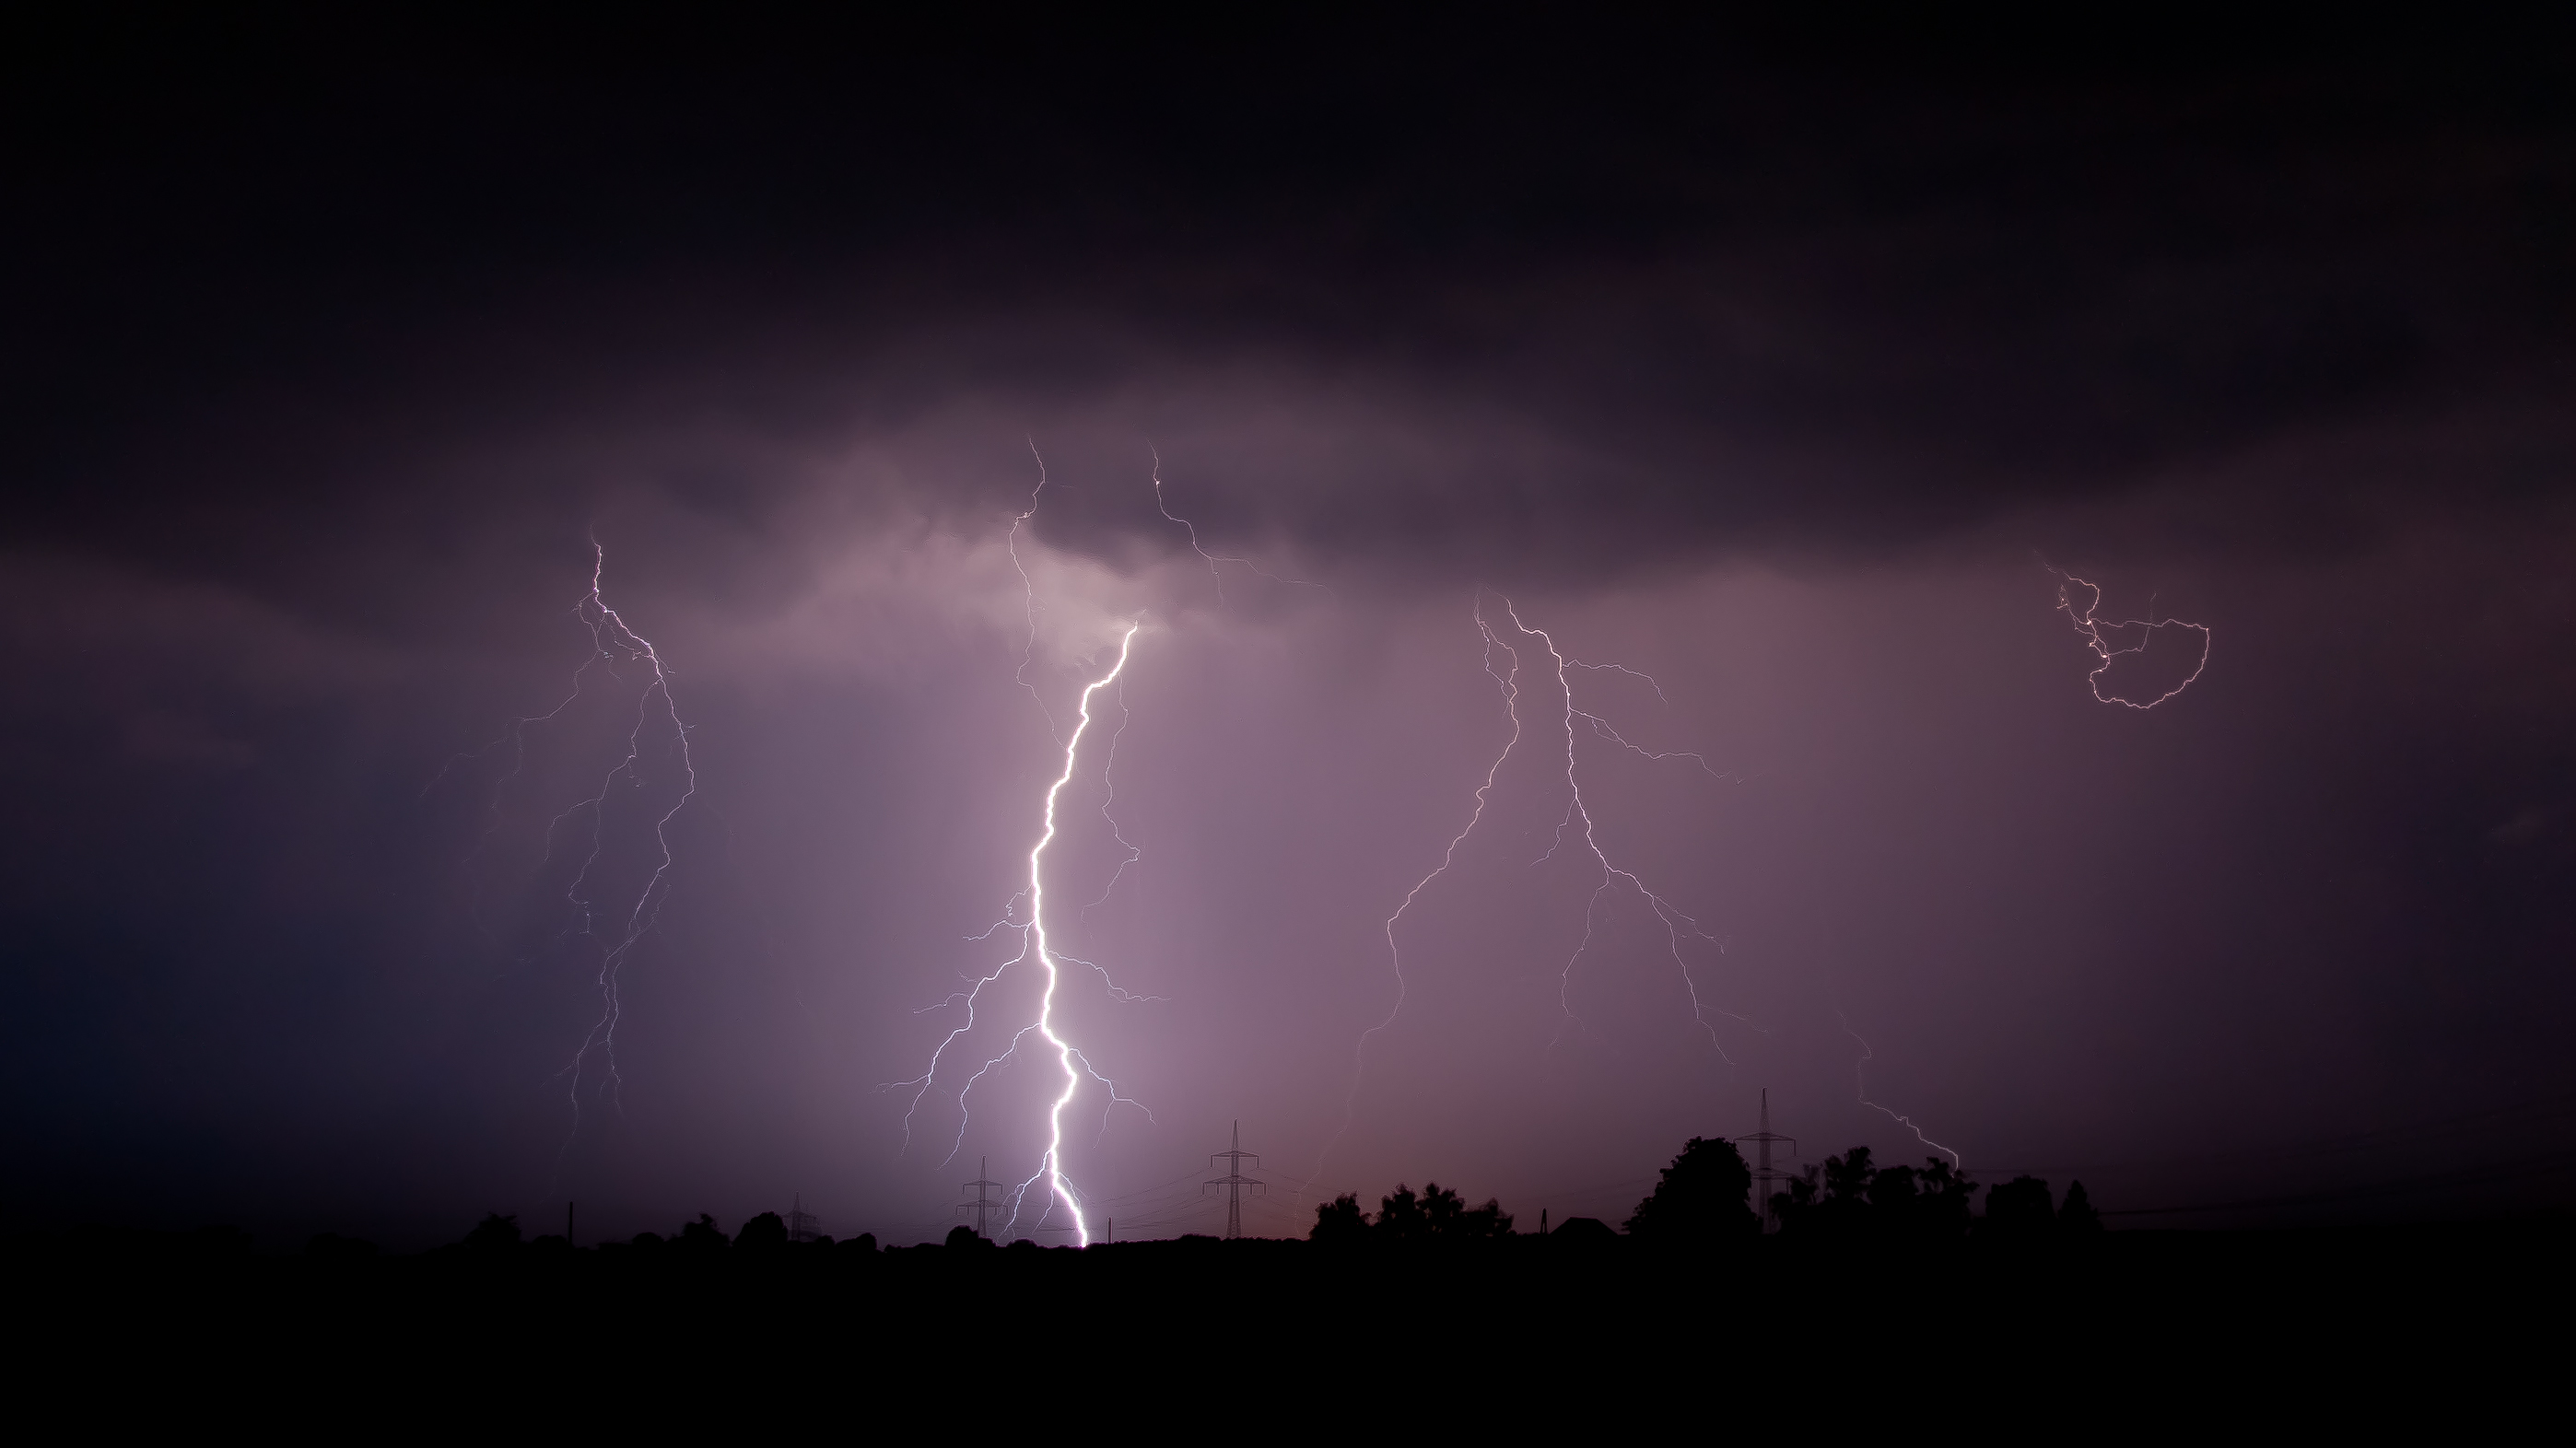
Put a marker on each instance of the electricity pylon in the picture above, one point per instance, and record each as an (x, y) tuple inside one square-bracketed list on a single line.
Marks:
[(983, 1206), (1763, 1175), (1234, 1181)]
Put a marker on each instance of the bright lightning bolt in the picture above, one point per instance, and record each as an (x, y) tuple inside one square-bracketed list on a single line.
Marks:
[(1052, 1165), (1035, 946), (2090, 626)]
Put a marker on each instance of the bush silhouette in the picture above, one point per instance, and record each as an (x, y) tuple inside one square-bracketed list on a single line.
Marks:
[(2077, 1216), (766, 1232), (2019, 1211), (1340, 1222), (495, 1233)]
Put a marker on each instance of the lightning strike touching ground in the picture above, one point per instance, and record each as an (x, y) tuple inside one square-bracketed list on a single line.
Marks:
[(1035, 947), (2091, 628)]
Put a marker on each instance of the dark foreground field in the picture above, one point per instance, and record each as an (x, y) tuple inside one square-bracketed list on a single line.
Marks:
[(2226, 1331)]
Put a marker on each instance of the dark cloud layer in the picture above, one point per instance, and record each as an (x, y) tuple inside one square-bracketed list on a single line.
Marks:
[(1524, 296), (1777, 360)]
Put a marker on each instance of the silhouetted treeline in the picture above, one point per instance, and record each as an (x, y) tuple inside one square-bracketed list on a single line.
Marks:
[(1403, 1219), (1702, 1200)]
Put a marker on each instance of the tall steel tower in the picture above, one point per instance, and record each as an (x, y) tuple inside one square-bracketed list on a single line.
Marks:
[(1234, 1181), (1763, 1175)]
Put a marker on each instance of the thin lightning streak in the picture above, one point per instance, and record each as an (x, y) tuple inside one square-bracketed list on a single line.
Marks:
[(1572, 663), (1509, 684), (1674, 921), (1213, 559), (1860, 1092), (610, 635), (2090, 627), (1108, 797), (1029, 592)]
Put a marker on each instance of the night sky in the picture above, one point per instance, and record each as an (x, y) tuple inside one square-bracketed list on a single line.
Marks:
[(1787, 368)]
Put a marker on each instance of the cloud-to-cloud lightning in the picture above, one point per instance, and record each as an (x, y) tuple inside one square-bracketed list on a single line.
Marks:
[(2092, 627)]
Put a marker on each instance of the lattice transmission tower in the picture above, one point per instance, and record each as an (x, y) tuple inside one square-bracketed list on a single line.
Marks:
[(1763, 1175), (1234, 1181)]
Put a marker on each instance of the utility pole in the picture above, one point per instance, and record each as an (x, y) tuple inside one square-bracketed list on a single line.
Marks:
[(983, 1205), (1234, 1181), (1763, 1175)]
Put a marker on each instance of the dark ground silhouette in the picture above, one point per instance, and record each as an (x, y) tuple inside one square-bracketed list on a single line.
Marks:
[(1880, 1280)]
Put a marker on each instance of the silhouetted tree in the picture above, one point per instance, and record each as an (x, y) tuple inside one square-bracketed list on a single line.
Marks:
[(495, 1233), (766, 1232), (1438, 1215), (964, 1238), (2019, 1211), (1340, 1222), (1795, 1205), (1847, 1177), (1400, 1217), (701, 1235), (337, 1248), (1891, 1194), (1851, 1196), (1701, 1198), (1941, 1197), (1481, 1224), (2077, 1215)]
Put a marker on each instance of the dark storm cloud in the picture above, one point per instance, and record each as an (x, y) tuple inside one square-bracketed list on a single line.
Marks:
[(1439, 299)]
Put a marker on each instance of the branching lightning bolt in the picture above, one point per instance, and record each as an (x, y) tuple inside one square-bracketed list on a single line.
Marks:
[(2090, 626), (1031, 921), (1676, 924), (655, 710), (612, 634), (1509, 683)]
